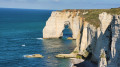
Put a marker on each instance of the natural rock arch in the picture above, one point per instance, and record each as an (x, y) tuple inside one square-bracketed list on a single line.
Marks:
[(56, 24), (66, 23)]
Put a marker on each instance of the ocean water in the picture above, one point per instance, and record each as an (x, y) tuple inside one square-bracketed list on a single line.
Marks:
[(21, 34)]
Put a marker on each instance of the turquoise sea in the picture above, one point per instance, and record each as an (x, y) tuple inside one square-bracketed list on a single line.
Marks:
[(21, 34)]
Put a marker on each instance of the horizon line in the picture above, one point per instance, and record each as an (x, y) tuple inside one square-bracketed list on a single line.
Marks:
[(48, 9), (26, 8)]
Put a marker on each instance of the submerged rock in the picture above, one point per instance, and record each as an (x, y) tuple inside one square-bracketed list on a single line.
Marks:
[(66, 56), (34, 56), (70, 38)]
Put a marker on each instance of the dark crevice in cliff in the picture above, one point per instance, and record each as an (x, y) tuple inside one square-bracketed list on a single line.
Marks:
[(110, 39), (109, 46), (81, 34)]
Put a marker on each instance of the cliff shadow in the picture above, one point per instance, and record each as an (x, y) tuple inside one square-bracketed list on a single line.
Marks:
[(102, 42), (86, 64)]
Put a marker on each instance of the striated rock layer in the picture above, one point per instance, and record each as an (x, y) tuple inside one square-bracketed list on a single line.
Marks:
[(100, 45)]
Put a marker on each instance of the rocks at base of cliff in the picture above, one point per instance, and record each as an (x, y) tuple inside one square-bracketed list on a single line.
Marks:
[(66, 55), (82, 63), (70, 38), (34, 56), (103, 60), (76, 61)]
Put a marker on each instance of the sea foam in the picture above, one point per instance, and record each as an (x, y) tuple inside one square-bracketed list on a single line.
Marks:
[(23, 45), (39, 38)]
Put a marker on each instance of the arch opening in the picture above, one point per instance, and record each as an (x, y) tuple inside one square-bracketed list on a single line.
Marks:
[(67, 32)]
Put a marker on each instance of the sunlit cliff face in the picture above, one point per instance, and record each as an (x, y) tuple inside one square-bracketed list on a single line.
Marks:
[(56, 24)]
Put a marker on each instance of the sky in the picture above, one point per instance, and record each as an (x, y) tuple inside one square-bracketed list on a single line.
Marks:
[(60, 4)]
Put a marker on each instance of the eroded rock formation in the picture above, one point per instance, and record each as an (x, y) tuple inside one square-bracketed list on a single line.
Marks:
[(103, 60), (104, 40), (56, 24), (106, 37), (115, 43)]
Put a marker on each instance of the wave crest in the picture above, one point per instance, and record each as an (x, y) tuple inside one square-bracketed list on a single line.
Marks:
[(39, 38)]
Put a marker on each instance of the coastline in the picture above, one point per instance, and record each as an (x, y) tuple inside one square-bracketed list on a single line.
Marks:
[(75, 61), (81, 63)]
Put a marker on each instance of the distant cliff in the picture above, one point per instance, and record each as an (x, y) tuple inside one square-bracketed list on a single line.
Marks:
[(97, 33)]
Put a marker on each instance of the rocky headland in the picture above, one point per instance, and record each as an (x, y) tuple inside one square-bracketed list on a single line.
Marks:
[(97, 34)]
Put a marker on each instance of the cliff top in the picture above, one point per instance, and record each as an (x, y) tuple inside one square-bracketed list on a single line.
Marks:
[(92, 15)]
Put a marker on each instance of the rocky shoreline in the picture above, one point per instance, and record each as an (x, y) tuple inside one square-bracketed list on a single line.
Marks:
[(81, 63), (97, 34)]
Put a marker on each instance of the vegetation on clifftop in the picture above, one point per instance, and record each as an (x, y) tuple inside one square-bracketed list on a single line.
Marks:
[(92, 15)]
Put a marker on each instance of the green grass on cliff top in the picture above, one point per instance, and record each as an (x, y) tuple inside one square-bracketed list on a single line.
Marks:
[(93, 14)]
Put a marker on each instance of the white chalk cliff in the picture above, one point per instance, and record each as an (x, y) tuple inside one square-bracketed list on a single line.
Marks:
[(104, 40), (56, 24)]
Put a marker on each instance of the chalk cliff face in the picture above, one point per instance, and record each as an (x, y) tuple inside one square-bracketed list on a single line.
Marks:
[(56, 24), (115, 43), (102, 43), (103, 35), (105, 38)]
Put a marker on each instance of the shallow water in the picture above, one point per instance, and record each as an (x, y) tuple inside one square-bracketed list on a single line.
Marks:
[(21, 34)]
